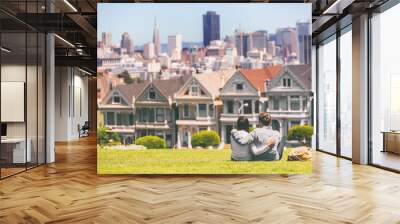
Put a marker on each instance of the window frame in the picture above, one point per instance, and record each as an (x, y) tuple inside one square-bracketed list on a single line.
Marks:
[(160, 113), (186, 111), (108, 115), (295, 99), (152, 94), (230, 104), (204, 111), (116, 97), (239, 89)]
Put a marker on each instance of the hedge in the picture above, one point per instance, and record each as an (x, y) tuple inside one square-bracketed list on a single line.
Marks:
[(151, 142), (301, 133), (205, 139)]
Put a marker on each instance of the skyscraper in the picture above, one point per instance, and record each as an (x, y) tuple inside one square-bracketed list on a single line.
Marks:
[(127, 43), (211, 27), (106, 38), (260, 39), (175, 46), (271, 48), (304, 40), (243, 42), (149, 51), (156, 38), (286, 38)]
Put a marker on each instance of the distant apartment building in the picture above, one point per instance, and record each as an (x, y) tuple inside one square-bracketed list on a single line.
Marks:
[(243, 42), (260, 39), (215, 51), (106, 39), (149, 51), (109, 62), (153, 69), (211, 27), (286, 38), (304, 42), (175, 46), (271, 48), (127, 43)]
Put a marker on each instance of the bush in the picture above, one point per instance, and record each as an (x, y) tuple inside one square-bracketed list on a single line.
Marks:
[(205, 139), (151, 142), (104, 137), (114, 138), (301, 133)]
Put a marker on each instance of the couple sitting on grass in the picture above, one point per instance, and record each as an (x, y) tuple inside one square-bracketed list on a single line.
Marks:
[(259, 145)]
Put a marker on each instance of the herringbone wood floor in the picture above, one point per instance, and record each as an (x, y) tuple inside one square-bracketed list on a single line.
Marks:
[(70, 191)]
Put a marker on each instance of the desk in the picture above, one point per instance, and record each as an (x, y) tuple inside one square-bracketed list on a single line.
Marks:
[(391, 142), (13, 150)]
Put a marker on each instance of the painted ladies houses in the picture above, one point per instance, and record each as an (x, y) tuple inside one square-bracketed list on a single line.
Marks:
[(289, 97), (155, 109), (198, 105), (151, 109), (116, 110)]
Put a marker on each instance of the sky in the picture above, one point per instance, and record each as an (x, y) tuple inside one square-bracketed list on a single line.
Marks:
[(187, 18)]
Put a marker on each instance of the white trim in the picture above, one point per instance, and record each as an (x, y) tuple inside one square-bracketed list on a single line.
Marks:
[(70, 5), (64, 40)]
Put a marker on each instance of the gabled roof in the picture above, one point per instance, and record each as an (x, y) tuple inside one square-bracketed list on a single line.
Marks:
[(132, 90), (104, 83), (170, 86), (167, 88), (127, 91), (302, 73), (257, 77), (228, 84), (215, 81)]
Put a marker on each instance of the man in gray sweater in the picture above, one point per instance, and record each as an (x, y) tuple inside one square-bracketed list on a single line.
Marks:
[(263, 141)]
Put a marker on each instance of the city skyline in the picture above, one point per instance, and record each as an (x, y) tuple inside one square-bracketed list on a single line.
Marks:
[(141, 31)]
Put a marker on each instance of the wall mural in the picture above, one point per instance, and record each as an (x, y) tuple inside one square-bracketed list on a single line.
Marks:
[(204, 88)]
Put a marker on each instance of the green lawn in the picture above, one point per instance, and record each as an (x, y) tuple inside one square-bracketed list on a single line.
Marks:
[(190, 161)]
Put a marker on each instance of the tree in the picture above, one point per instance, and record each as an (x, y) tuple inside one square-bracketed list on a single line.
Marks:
[(126, 77), (302, 133)]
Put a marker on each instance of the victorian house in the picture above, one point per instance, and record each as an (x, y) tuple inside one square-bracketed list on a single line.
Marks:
[(151, 109), (154, 109), (198, 105), (289, 97), (116, 110)]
